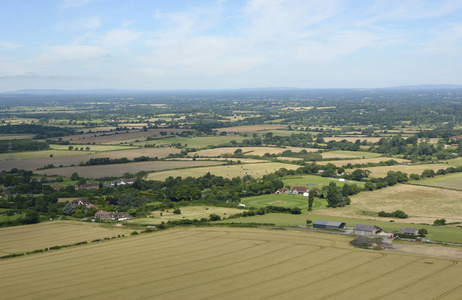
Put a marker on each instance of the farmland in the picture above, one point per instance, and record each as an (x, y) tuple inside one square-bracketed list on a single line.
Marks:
[(228, 171), (229, 264), (409, 169), (40, 236), (315, 181), (252, 128), (422, 204), (451, 181), (120, 169), (283, 200), (247, 151)]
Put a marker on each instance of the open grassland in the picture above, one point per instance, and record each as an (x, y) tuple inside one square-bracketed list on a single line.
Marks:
[(228, 171), (353, 138), (187, 212), (451, 181), (409, 169), (32, 160), (313, 181), (251, 128), (361, 161), (454, 162), (198, 142), (218, 263), (422, 204), (283, 200), (95, 148), (445, 233), (44, 154), (120, 169), (44, 235)]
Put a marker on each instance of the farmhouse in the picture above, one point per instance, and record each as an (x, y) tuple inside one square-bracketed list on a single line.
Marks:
[(282, 191), (123, 181), (366, 229), (408, 230), (117, 216), (299, 190), (320, 224), (103, 215)]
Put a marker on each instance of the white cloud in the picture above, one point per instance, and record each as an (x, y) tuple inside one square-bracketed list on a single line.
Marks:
[(446, 41), (9, 45), (119, 37)]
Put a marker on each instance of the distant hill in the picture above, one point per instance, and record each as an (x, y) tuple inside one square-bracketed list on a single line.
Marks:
[(425, 87)]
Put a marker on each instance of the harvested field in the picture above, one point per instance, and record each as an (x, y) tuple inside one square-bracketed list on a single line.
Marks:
[(422, 204), (409, 169), (361, 161), (206, 263), (283, 200), (353, 138), (118, 170), (450, 181), (314, 181), (252, 128), (34, 161), (255, 170), (350, 154), (15, 136), (44, 235), (198, 142), (187, 212)]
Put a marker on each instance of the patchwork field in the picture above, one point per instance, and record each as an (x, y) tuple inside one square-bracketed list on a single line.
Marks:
[(197, 142), (422, 204), (39, 236), (312, 181), (229, 264), (15, 136), (32, 160), (350, 154), (255, 170), (361, 161), (451, 181), (120, 169), (187, 212)]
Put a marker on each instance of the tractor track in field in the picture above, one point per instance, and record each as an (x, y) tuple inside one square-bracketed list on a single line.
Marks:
[(454, 263)]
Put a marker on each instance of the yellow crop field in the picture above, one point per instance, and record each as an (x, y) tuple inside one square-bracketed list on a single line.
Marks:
[(227, 263), (44, 235), (422, 204), (229, 171)]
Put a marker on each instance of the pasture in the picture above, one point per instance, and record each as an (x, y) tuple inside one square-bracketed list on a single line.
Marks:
[(47, 234), (450, 181), (343, 162), (197, 142), (118, 170), (256, 170), (187, 212), (422, 204), (211, 263), (252, 128), (15, 136), (248, 151), (350, 154), (283, 200)]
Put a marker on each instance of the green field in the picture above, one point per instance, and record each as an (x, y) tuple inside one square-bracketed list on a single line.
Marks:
[(361, 154), (283, 200), (227, 263), (311, 181), (445, 233), (197, 142), (450, 181), (39, 236), (94, 148)]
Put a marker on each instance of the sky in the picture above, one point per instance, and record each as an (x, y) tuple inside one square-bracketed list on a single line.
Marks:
[(227, 44)]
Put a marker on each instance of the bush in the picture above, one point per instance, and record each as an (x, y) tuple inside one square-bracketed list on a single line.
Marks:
[(177, 211), (423, 232), (439, 222), (296, 211), (134, 233), (396, 214), (214, 217), (308, 222)]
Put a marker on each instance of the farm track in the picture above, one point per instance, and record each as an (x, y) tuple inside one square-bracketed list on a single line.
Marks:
[(447, 293)]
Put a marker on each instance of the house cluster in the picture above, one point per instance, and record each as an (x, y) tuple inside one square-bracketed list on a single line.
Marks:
[(94, 186), (83, 201), (361, 229), (296, 190), (114, 216)]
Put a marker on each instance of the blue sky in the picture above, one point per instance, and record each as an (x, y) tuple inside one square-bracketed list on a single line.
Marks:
[(205, 44)]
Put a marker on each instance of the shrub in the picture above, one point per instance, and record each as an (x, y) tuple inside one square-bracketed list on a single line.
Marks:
[(177, 211), (134, 233)]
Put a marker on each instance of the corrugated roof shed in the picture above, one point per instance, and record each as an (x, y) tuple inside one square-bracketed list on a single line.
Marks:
[(408, 230), (328, 224), (362, 227)]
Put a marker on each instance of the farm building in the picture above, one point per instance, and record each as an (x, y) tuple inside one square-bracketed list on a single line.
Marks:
[(320, 224), (408, 230), (282, 191), (299, 190), (117, 216), (104, 215), (366, 229)]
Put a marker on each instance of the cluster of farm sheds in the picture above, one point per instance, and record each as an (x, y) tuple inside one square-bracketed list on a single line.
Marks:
[(361, 229)]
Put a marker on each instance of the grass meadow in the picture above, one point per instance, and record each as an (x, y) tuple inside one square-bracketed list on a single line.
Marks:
[(229, 263), (451, 181), (409, 169), (312, 181)]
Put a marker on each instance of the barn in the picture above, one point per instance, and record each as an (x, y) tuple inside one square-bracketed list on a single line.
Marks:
[(366, 229), (320, 224)]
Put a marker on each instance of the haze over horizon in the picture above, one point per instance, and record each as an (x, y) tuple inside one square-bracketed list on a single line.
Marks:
[(180, 44)]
